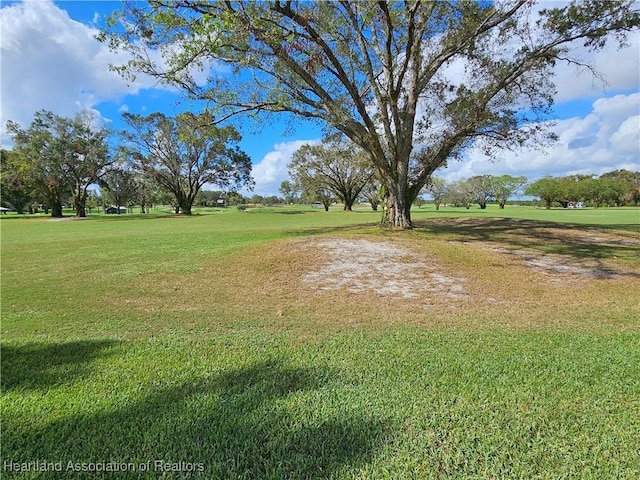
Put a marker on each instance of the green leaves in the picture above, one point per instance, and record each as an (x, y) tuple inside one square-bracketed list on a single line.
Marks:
[(412, 85), (185, 152), (61, 156)]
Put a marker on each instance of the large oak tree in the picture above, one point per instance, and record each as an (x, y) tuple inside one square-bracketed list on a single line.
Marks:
[(185, 152), (61, 157), (335, 165), (412, 83)]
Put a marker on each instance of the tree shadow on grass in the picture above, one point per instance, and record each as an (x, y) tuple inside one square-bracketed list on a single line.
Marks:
[(263, 421), (594, 243), (330, 230), (36, 365)]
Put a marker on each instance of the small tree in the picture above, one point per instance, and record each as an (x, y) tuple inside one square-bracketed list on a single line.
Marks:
[(88, 160), (420, 201), (548, 189), (481, 188), (460, 194), (289, 191), (437, 188), (120, 187), (506, 186), (336, 166), (371, 193), (235, 198), (185, 152), (313, 193)]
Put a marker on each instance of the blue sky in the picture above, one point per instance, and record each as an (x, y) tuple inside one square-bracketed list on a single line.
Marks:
[(50, 60)]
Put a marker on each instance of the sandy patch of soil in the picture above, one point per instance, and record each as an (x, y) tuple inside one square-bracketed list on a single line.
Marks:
[(360, 266), (66, 219), (557, 267)]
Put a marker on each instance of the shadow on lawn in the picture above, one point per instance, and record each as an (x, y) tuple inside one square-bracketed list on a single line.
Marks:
[(253, 422), (597, 243), (330, 230), (36, 366)]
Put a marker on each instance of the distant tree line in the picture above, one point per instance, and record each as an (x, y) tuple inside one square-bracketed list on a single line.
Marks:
[(480, 189), (56, 161), (616, 188), (336, 170), (163, 160)]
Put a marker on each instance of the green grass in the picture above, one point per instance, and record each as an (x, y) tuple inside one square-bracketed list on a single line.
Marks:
[(135, 340)]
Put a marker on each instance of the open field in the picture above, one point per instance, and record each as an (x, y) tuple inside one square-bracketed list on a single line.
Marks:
[(294, 343)]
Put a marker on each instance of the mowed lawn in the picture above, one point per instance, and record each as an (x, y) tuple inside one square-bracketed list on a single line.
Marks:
[(240, 345)]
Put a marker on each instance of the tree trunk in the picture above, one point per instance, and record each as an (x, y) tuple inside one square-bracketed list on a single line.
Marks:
[(80, 202), (80, 206), (81, 211), (396, 212), (185, 206), (56, 209)]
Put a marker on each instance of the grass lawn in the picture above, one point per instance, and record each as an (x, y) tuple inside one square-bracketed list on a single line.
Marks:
[(197, 347)]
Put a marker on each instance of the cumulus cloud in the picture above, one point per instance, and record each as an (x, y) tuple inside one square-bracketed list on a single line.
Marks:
[(606, 139), (620, 71), (50, 61), (270, 172)]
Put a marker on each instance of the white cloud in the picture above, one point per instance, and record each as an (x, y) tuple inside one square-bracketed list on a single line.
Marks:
[(620, 70), (627, 137), (52, 62), (606, 139), (270, 172)]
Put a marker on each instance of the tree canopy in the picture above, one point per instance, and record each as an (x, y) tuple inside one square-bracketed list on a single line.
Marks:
[(16, 192), (185, 152), (60, 157), (617, 187), (335, 165), (412, 83)]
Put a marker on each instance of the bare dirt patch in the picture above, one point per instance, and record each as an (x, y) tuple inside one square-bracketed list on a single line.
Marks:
[(66, 219), (363, 266), (557, 268), (314, 286)]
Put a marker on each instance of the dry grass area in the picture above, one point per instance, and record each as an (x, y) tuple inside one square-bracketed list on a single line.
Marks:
[(511, 278)]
